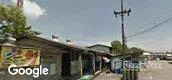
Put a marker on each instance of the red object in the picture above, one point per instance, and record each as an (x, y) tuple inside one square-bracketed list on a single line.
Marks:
[(29, 54)]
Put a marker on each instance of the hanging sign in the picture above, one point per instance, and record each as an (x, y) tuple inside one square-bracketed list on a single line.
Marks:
[(20, 57)]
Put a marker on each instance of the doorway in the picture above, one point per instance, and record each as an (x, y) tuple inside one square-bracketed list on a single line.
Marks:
[(66, 64), (87, 64)]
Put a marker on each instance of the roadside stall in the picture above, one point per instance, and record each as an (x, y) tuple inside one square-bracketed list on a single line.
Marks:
[(21, 58)]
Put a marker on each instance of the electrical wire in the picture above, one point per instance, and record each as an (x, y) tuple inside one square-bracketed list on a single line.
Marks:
[(149, 29)]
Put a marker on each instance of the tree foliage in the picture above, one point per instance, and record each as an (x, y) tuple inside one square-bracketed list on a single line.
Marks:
[(135, 49), (117, 47), (15, 22)]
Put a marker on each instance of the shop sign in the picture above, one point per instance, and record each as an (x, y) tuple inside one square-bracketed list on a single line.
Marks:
[(21, 57)]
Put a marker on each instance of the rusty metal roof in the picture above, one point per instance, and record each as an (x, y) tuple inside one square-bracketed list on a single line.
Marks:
[(64, 45)]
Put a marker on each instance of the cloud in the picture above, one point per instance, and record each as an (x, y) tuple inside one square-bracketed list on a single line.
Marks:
[(32, 10)]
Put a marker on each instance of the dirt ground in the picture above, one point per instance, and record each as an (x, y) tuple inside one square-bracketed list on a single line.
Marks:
[(158, 70), (110, 76)]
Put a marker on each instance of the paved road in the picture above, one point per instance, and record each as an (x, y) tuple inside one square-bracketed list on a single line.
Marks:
[(158, 70), (110, 76)]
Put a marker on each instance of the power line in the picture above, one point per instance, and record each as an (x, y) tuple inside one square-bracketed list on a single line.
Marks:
[(155, 26), (152, 22)]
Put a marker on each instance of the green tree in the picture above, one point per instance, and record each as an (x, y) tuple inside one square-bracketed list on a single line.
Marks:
[(15, 23), (117, 47), (135, 49), (126, 48)]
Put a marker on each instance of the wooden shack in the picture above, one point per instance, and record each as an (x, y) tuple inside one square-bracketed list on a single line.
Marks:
[(64, 61)]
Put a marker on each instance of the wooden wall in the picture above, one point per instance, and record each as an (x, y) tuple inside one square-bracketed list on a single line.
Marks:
[(50, 56)]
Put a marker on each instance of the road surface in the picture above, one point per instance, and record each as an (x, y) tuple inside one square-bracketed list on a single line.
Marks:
[(110, 76), (158, 70)]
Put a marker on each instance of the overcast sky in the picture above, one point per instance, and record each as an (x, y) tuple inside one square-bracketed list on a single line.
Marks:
[(88, 22)]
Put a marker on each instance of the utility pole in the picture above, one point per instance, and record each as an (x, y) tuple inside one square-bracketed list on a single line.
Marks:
[(20, 3), (121, 13)]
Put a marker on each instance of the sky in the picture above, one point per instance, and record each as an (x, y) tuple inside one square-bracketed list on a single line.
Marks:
[(89, 22)]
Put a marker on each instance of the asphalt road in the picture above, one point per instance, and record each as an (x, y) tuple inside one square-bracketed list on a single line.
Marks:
[(158, 70)]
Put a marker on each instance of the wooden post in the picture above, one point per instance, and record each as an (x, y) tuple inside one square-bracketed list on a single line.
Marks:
[(132, 74), (128, 74), (100, 63), (58, 63), (136, 74), (125, 74), (93, 64), (80, 62)]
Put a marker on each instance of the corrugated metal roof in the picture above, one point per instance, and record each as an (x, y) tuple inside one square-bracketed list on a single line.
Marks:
[(62, 44)]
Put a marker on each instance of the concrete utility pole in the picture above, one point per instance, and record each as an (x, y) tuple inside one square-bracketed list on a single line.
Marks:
[(20, 3), (121, 13)]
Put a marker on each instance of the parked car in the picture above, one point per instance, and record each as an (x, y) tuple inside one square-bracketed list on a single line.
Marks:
[(168, 57)]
